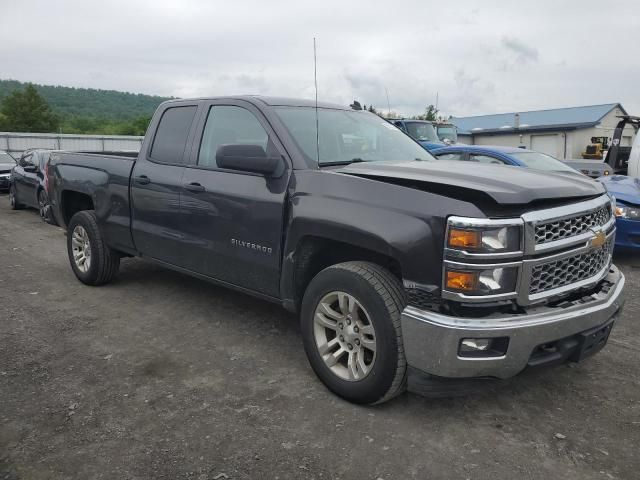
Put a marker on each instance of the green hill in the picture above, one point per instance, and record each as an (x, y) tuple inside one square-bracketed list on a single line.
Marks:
[(89, 102)]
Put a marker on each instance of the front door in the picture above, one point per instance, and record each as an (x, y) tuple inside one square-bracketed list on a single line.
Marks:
[(156, 187), (233, 220), (25, 179)]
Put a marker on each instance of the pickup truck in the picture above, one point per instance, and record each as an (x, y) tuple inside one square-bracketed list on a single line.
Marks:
[(405, 271)]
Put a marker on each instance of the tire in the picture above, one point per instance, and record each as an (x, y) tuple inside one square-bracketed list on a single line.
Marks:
[(13, 199), (379, 300), (103, 262), (44, 208)]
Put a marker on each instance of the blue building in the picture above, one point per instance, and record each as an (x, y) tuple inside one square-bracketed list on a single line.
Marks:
[(563, 133)]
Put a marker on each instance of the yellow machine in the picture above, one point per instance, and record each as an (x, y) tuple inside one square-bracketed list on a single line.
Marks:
[(596, 149)]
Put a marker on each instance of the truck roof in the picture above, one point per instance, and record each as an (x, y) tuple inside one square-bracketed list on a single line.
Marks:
[(270, 101)]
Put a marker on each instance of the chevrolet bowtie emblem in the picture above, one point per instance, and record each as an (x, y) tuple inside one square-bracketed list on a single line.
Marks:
[(598, 239)]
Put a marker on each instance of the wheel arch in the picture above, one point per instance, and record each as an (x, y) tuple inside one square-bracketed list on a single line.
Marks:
[(313, 253), (72, 202)]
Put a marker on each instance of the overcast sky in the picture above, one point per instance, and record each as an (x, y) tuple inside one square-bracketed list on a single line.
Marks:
[(480, 56)]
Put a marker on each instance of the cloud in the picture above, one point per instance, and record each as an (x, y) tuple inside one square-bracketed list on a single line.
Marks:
[(523, 53), (501, 56)]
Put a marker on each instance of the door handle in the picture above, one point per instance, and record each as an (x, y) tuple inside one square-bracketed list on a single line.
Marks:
[(142, 180), (194, 187)]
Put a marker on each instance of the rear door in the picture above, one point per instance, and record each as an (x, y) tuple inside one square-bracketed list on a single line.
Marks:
[(233, 220), (156, 186)]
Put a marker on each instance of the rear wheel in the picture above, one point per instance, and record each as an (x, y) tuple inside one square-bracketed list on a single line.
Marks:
[(93, 262), (44, 208), (13, 198), (350, 323)]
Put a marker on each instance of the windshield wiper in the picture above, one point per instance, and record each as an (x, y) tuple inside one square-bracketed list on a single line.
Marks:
[(342, 162)]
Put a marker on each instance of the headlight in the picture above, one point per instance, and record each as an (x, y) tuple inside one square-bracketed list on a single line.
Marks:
[(491, 281), (483, 236), (624, 211)]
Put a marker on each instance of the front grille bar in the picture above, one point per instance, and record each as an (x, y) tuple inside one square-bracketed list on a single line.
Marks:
[(561, 263)]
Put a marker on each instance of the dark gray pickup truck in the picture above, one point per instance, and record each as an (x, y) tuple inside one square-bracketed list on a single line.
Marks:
[(405, 270)]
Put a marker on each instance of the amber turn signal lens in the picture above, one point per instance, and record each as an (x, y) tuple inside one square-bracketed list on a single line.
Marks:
[(465, 238), (462, 280)]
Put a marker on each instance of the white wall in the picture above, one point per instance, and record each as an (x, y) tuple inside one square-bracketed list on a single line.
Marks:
[(16, 143)]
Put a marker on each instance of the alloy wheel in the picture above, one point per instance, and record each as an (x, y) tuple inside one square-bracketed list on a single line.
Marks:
[(81, 246), (345, 336)]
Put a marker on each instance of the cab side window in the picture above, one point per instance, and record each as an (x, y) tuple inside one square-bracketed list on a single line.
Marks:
[(229, 125)]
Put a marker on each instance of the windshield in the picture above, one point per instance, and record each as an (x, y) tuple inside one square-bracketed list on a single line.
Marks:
[(448, 132), (6, 158), (346, 136), (422, 131), (541, 161)]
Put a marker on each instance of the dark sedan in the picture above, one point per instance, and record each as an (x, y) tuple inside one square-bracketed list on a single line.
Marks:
[(28, 183), (7, 162)]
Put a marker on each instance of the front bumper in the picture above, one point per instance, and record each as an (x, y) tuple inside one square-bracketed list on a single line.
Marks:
[(432, 340), (4, 182)]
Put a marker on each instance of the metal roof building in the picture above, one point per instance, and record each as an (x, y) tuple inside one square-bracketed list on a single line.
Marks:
[(561, 132)]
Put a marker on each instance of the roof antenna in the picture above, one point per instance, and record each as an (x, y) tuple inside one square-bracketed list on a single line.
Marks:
[(388, 104), (315, 81)]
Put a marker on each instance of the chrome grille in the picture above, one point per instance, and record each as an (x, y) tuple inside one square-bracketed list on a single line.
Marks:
[(560, 273), (572, 226)]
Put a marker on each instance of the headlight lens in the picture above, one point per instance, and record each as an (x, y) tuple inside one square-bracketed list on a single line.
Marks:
[(484, 239), (481, 282), (624, 211)]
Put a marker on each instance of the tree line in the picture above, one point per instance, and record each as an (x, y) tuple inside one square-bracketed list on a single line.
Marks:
[(24, 108)]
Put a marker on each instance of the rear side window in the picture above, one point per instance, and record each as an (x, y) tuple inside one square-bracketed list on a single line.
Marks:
[(171, 135), (451, 156), (485, 159), (229, 125)]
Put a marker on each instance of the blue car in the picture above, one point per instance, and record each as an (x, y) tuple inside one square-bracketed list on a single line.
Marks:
[(518, 157), (626, 190)]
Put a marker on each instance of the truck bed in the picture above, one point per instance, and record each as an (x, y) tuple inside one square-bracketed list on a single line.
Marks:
[(95, 175)]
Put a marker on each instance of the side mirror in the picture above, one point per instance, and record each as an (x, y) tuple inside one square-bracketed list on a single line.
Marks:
[(247, 158), (30, 167)]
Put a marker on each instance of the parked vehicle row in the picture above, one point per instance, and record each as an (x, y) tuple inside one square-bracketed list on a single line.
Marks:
[(406, 271)]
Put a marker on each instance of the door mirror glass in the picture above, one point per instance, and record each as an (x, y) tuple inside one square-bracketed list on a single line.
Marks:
[(247, 158)]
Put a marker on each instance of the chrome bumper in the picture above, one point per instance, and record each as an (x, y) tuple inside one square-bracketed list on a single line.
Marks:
[(432, 340)]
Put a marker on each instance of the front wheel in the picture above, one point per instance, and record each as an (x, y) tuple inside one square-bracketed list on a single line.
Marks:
[(93, 262), (350, 322)]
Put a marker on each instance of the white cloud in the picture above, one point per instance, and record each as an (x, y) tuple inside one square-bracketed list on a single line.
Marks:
[(480, 57)]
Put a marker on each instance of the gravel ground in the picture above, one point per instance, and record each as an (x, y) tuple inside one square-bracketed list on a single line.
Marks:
[(159, 375)]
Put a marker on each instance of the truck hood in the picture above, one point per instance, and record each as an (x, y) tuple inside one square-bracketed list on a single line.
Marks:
[(504, 184), (626, 189)]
